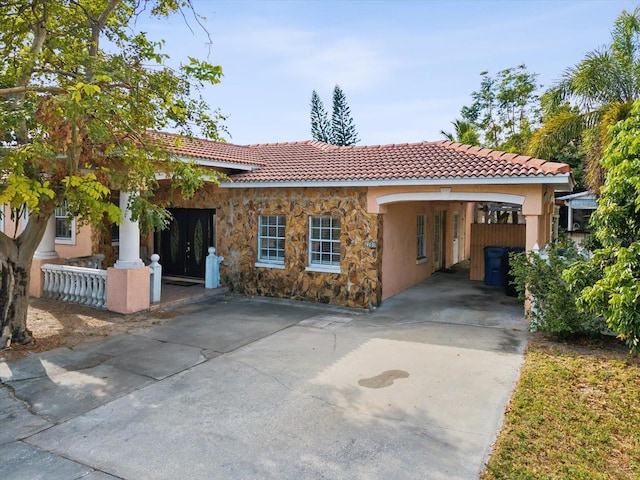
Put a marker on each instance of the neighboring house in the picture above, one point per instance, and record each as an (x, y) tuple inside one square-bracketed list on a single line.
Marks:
[(575, 212), (351, 225)]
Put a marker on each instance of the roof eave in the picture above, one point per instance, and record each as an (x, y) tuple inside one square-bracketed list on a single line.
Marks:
[(560, 182), (219, 164)]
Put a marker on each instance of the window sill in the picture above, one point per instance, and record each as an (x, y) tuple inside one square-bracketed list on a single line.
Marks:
[(420, 261), (65, 241), (278, 266), (323, 269)]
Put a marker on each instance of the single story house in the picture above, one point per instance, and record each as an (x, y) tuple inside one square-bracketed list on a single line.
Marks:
[(350, 226)]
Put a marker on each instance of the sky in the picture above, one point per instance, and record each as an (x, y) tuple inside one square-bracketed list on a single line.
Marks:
[(406, 67)]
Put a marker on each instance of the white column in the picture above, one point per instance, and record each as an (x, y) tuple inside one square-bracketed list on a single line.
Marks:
[(129, 237), (47, 248)]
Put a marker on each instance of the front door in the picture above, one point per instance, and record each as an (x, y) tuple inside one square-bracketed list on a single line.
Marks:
[(184, 245)]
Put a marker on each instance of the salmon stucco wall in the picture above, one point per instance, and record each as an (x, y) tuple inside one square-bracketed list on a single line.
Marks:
[(399, 265), (401, 269), (81, 247), (358, 283)]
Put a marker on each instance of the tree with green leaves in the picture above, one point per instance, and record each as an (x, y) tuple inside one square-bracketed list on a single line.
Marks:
[(609, 284), (342, 125), (506, 109), (76, 120), (341, 131), (596, 93), (320, 126), (464, 132)]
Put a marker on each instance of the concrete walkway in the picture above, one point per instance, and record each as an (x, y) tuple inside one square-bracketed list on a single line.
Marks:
[(274, 389)]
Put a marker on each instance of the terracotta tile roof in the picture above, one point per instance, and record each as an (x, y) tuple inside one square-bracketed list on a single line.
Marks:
[(313, 161), (199, 148), (316, 161)]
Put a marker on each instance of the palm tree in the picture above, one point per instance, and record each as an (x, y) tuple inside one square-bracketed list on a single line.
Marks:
[(602, 88), (464, 133)]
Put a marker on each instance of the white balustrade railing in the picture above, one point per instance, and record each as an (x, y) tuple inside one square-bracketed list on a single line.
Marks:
[(87, 286)]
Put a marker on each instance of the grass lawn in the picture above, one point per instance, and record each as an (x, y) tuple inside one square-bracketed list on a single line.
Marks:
[(575, 414)]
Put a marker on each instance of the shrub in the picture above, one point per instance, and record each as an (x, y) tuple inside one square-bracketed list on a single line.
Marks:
[(553, 305)]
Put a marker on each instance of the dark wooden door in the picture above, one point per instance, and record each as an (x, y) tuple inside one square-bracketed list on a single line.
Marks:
[(184, 245)]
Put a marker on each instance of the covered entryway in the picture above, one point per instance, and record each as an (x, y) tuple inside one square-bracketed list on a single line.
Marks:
[(183, 246)]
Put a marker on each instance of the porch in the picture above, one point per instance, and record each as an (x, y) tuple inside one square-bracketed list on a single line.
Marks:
[(180, 291)]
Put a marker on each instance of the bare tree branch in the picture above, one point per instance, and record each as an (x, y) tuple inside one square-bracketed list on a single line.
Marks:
[(5, 92)]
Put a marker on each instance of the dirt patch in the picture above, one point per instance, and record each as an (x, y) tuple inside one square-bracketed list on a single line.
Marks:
[(59, 324), (608, 345)]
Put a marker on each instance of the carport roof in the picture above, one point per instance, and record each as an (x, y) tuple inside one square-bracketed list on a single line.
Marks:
[(316, 163)]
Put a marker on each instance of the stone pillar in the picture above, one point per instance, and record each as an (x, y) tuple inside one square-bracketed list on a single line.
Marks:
[(129, 281), (46, 253)]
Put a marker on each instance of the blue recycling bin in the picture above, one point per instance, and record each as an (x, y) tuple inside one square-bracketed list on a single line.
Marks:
[(493, 269)]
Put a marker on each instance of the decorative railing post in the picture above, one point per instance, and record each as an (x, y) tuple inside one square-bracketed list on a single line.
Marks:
[(156, 276), (212, 269)]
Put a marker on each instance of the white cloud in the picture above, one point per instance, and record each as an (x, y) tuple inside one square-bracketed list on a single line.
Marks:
[(352, 63), (319, 58)]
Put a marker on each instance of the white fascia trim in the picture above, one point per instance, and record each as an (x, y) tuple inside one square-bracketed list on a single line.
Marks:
[(562, 180), (219, 164), (448, 196)]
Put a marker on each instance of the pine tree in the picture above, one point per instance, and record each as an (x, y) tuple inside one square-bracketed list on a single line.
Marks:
[(320, 126), (342, 124)]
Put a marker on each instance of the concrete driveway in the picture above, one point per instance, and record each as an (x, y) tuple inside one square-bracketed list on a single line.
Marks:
[(238, 388)]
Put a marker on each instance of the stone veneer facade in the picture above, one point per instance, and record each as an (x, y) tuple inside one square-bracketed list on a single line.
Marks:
[(237, 210)]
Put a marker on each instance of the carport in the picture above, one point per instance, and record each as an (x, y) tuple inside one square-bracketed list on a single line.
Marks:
[(453, 224)]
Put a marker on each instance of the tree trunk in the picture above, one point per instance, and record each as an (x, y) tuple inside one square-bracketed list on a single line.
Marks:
[(14, 302), (16, 255)]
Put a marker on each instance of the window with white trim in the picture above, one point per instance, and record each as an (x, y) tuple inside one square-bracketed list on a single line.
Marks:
[(271, 238), (324, 242), (421, 250), (65, 226)]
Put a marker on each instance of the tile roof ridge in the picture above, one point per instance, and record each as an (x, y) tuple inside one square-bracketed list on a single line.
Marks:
[(524, 160), (291, 143), (380, 146), (323, 145)]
